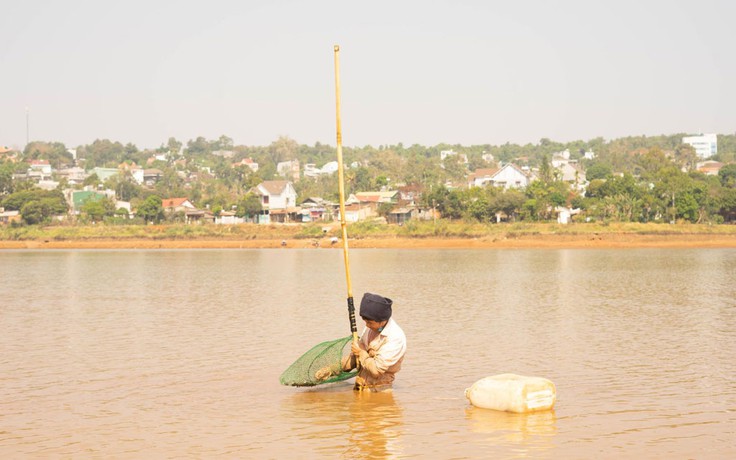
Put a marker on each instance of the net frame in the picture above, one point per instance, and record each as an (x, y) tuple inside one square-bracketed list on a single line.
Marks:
[(321, 364)]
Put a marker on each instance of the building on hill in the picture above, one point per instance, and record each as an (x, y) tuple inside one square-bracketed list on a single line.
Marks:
[(228, 218), (311, 169), (709, 168), (247, 162), (74, 175), (573, 174), (481, 177), (560, 158), (42, 166), (508, 176), (705, 145), (77, 198), (278, 199), (151, 176), (172, 205), (316, 209), (444, 154), (391, 196), (9, 217), (104, 174), (288, 170)]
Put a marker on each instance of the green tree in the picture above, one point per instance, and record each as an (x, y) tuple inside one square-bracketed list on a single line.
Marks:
[(173, 146), (728, 204), (727, 175), (97, 210), (6, 178), (102, 153), (124, 185), (198, 147), (598, 170), (151, 210), (478, 209), (509, 202), (55, 152), (454, 167), (283, 149), (223, 143), (686, 157), (92, 180), (670, 186), (53, 200), (37, 206), (33, 213), (384, 209), (249, 206)]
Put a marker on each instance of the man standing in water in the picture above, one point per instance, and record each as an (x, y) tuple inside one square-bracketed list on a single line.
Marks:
[(380, 350)]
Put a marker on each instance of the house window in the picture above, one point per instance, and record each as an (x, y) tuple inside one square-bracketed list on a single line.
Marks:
[(265, 199)]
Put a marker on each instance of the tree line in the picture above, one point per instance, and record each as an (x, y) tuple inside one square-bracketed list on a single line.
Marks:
[(637, 178)]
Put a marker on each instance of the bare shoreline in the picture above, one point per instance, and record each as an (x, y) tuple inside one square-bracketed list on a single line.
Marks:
[(538, 241)]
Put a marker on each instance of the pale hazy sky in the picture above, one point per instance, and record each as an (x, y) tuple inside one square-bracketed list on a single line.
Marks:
[(425, 72)]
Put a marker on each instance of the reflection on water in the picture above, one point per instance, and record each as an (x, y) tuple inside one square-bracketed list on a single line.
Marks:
[(359, 424), (177, 353), (533, 431)]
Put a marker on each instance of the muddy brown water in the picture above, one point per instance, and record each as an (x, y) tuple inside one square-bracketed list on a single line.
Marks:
[(177, 353)]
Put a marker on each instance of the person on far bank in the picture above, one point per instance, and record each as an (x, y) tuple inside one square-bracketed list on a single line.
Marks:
[(380, 351)]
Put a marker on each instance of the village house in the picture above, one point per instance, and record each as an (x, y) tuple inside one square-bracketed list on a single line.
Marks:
[(151, 176), (289, 170), (391, 196), (172, 205), (77, 198), (247, 162), (355, 212), (399, 216), (311, 169), (9, 217), (74, 175), (444, 154), (481, 177), (228, 218), (223, 153), (709, 168), (104, 174), (42, 166), (573, 174), (508, 176), (278, 199), (316, 209), (199, 216)]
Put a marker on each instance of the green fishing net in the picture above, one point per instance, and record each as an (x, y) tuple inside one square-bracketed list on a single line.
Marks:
[(321, 364)]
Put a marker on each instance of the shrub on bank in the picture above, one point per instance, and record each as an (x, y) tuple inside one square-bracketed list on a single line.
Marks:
[(369, 229)]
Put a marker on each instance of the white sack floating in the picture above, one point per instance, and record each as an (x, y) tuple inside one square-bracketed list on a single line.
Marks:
[(512, 393)]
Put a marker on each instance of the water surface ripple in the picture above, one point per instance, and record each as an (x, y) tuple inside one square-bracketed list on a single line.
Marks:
[(177, 353)]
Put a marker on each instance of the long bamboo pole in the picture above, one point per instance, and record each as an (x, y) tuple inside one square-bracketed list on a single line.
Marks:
[(341, 187)]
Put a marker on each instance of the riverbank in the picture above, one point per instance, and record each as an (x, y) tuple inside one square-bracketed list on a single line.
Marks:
[(601, 241), (440, 234)]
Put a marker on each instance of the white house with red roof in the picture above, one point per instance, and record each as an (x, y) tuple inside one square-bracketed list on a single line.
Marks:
[(391, 196), (247, 162), (508, 176), (481, 177), (176, 204), (709, 168), (42, 166)]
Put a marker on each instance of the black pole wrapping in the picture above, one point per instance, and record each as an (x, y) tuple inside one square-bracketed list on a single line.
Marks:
[(351, 313)]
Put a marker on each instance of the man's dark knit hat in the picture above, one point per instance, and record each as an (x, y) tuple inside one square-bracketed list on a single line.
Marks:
[(375, 307)]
